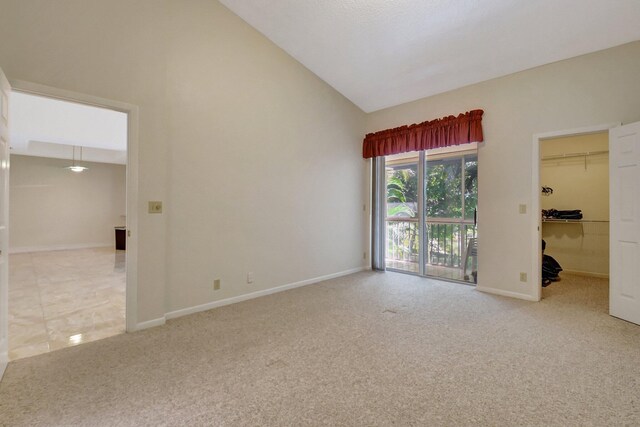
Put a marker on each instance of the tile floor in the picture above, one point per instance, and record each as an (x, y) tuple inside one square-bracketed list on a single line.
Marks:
[(63, 298)]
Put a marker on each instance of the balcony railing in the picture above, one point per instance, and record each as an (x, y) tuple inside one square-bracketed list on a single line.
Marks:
[(446, 242), (403, 239)]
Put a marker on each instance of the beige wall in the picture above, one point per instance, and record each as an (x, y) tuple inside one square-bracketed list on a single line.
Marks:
[(581, 247), (54, 208), (266, 169), (577, 185), (257, 160), (585, 91), (113, 50)]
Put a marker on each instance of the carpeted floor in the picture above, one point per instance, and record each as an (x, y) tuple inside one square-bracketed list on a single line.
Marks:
[(366, 349)]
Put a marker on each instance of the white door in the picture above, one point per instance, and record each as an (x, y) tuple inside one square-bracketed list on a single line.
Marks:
[(5, 90), (624, 193)]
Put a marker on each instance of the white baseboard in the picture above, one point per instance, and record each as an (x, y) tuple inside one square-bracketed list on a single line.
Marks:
[(26, 249), (585, 273), (4, 361), (504, 293), (258, 294), (151, 323)]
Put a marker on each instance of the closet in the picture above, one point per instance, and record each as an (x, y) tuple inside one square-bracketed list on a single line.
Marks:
[(574, 174)]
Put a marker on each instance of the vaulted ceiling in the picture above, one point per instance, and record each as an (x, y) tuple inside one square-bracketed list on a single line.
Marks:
[(381, 53)]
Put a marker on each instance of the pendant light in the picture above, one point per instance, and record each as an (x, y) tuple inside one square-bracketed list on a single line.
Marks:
[(76, 168)]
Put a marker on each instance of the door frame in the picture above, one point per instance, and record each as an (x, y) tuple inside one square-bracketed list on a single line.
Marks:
[(536, 217), (423, 157), (132, 112)]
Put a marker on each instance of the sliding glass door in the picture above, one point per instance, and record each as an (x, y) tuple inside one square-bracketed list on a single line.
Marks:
[(431, 214)]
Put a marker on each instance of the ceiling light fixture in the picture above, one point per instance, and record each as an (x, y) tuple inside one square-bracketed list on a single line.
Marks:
[(74, 167)]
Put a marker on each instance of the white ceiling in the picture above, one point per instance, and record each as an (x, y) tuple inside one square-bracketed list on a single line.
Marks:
[(46, 127), (381, 53)]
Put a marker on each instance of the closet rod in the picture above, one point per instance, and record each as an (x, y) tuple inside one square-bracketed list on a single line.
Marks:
[(569, 155)]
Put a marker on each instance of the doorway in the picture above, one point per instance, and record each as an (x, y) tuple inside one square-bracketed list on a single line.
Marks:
[(574, 201), (582, 162), (431, 213), (88, 271), (624, 218)]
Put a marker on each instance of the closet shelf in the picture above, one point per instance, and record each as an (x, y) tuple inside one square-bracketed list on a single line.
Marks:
[(572, 155)]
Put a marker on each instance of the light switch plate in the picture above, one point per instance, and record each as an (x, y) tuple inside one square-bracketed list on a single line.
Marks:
[(522, 208), (155, 207)]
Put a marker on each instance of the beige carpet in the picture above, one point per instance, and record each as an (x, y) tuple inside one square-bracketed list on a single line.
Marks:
[(367, 349)]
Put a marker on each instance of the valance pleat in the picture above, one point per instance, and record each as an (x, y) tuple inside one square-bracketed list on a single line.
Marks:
[(444, 132)]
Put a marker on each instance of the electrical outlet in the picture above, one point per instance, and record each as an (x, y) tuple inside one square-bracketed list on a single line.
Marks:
[(523, 277), (250, 277), (522, 208), (155, 207), (216, 284)]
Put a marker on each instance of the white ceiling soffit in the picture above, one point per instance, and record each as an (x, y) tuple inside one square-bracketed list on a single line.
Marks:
[(46, 127), (381, 53)]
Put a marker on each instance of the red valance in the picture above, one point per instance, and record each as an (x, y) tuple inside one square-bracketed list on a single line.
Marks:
[(438, 133)]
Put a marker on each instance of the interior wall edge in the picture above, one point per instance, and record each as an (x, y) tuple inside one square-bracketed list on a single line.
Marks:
[(149, 324)]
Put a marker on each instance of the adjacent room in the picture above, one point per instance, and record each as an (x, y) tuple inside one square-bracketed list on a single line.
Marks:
[(574, 171), (67, 222), (332, 214)]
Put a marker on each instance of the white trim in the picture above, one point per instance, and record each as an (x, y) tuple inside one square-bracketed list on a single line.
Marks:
[(536, 218), (587, 274), (228, 301), (4, 361), (535, 274), (26, 249), (151, 323), (509, 294), (258, 294), (132, 112)]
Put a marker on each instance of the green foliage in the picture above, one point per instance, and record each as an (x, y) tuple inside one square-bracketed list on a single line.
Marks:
[(402, 185), (401, 209), (443, 189), (402, 191), (471, 187)]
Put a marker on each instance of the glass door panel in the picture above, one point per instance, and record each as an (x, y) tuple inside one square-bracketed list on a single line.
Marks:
[(451, 195), (402, 220)]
